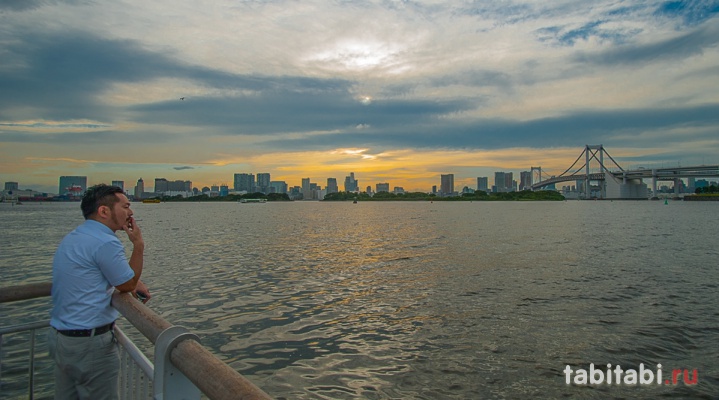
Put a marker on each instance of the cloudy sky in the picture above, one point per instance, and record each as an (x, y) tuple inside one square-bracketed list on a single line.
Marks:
[(395, 91)]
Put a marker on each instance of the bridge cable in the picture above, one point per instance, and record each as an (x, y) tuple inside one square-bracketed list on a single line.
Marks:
[(579, 169), (603, 168), (615, 163), (570, 167)]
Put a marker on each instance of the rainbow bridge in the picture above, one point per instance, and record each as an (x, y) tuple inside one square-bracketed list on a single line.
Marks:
[(613, 181)]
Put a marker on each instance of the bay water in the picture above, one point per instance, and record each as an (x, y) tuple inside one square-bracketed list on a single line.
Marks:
[(414, 300)]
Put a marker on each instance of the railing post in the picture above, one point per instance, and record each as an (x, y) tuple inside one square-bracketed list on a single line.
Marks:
[(169, 382), (31, 366), (1, 339), (184, 368), (587, 188)]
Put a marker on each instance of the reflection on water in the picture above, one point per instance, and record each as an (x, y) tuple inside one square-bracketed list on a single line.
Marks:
[(422, 300)]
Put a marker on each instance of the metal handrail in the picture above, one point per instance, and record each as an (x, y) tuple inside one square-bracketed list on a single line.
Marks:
[(24, 292), (24, 327), (213, 377), (32, 327), (136, 354), (129, 355)]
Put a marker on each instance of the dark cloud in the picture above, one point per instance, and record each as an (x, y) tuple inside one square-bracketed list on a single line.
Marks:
[(99, 137), (476, 78), (669, 158), (27, 5), (618, 127), (96, 137), (44, 125), (182, 168), (674, 49), (565, 36), (505, 13), (411, 124), (594, 29), (22, 5), (291, 111), (59, 76)]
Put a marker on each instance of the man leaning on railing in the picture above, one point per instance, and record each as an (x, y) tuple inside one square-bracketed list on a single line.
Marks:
[(89, 264)]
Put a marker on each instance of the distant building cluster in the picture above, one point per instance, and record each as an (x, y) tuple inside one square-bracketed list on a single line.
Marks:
[(690, 186), (74, 187)]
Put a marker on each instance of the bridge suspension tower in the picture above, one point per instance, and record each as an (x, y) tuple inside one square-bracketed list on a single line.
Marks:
[(596, 153), (617, 183), (589, 171), (536, 175)]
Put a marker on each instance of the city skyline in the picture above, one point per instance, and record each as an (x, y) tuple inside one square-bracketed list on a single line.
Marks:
[(503, 182), (505, 177), (399, 92), (245, 182)]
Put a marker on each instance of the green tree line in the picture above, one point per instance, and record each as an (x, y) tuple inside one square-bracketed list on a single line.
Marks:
[(707, 189), (524, 195), (230, 197)]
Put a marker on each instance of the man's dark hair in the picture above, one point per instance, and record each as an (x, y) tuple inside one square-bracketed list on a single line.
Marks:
[(96, 196)]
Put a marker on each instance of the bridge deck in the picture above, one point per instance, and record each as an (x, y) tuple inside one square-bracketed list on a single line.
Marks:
[(701, 171)]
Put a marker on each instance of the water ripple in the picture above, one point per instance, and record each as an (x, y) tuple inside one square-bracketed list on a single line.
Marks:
[(418, 300)]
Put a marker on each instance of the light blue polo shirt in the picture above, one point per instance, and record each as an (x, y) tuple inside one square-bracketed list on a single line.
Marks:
[(88, 264)]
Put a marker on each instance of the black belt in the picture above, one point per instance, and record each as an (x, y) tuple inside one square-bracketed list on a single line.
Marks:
[(87, 332)]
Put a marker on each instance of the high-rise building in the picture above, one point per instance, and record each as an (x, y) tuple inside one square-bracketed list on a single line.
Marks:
[(244, 183), (483, 183), (179, 186), (306, 189), (11, 186), (332, 185), (351, 184), (72, 185), (525, 180), (447, 184), (498, 181), (161, 185), (140, 189), (278, 187), (120, 184), (263, 182), (295, 192), (503, 181), (382, 187)]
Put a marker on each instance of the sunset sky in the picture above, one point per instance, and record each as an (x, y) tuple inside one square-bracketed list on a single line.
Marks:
[(394, 91)]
